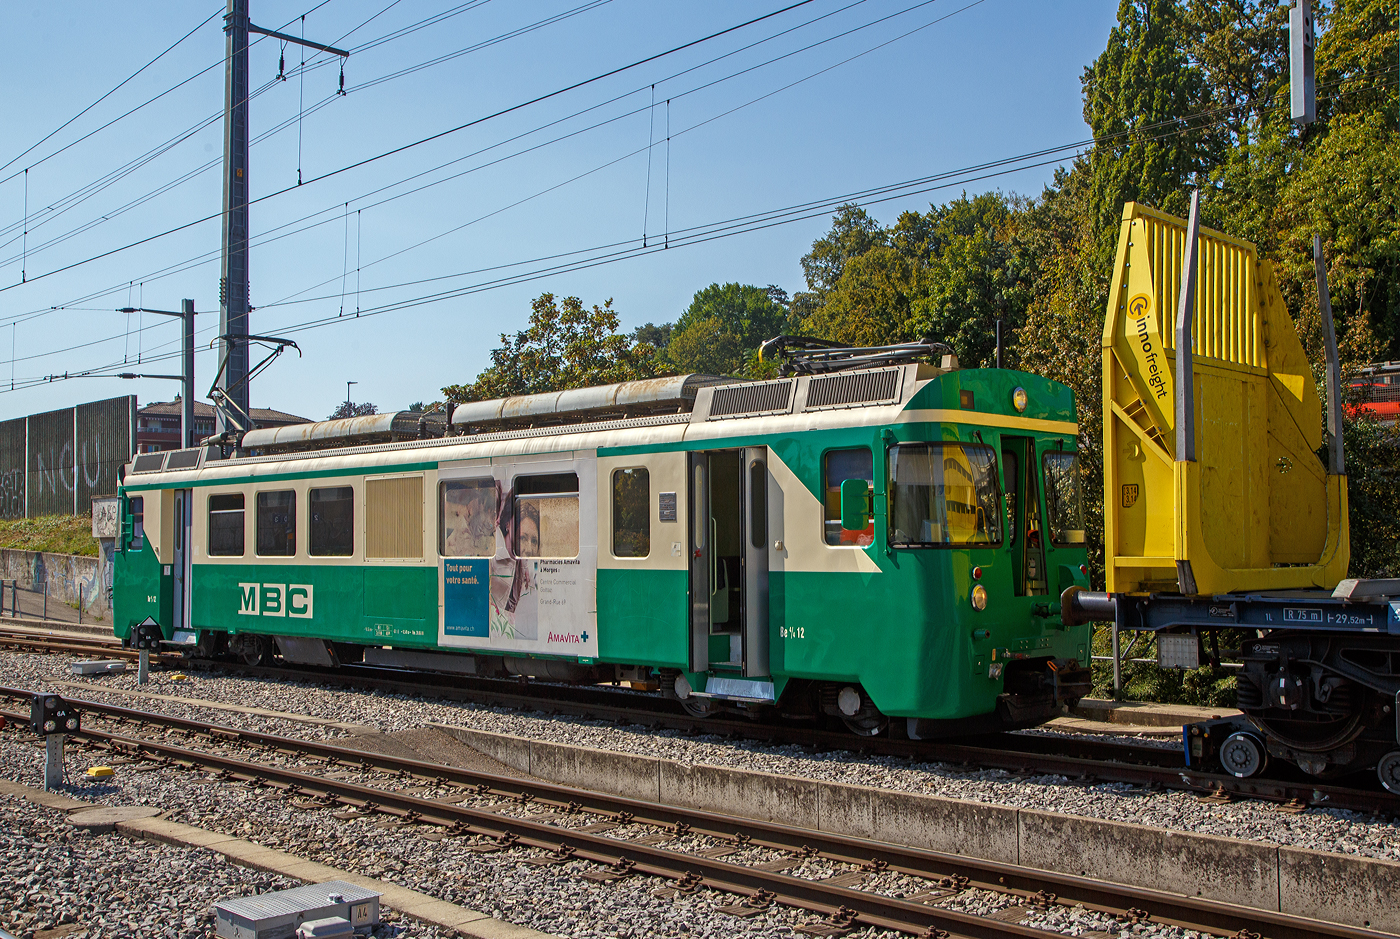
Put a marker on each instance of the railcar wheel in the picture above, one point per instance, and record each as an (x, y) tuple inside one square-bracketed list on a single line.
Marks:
[(699, 708), (1243, 755), (868, 725), (254, 650), (1388, 769), (207, 645), (857, 711), (676, 687)]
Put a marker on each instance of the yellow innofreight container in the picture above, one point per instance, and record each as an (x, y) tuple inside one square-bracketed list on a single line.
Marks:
[(1256, 509)]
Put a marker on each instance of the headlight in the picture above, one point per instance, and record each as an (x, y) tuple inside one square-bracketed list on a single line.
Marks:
[(979, 597), (1018, 398)]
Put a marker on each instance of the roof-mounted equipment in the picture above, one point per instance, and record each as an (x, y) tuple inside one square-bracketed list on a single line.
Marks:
[(629, 399), (804, 355), (347, 432), (234, 416)]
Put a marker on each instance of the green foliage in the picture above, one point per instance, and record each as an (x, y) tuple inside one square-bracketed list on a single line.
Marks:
[(349, 409), (1137, 95), (568, 346), (58, 534), (1207, 686), (722, 328), (947, 274), (1356, 59), (1373, 494)]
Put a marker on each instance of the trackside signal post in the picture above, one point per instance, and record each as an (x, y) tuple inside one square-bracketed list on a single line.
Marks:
[(234, 304)]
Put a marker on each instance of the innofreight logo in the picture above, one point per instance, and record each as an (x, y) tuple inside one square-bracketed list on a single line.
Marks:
[(292, 600)]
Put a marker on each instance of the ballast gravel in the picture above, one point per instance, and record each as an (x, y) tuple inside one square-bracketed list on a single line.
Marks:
[(110, 887), (552, 898), (1321, 829)]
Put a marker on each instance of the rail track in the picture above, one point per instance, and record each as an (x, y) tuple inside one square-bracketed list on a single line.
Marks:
[(623, 837), (1073, 756)]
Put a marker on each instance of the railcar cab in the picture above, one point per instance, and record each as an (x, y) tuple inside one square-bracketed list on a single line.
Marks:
[(981, 492)]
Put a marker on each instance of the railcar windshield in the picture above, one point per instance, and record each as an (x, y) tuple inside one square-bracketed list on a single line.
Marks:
[(943, 494), (1063, 499)]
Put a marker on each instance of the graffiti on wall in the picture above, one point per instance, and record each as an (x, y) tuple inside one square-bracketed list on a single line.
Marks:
[(54, 463)]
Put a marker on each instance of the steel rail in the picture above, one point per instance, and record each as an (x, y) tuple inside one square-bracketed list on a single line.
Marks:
[(1028, 884), (25, 642), (1071, 757)]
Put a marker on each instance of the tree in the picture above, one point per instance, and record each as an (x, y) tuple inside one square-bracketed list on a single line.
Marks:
[(948, 274), (1241, 48), (721, 330), (658, 337), (347, 409), (853, 233), (1138, 95), (568, 346)]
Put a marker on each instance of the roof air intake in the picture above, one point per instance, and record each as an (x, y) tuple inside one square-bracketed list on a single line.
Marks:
[(854, 389), (769, 397)]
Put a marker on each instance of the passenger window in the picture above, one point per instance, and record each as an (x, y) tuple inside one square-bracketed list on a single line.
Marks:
[(467, 518), (226, 525), (546, 516), (138, 522), (277, 524), (839, 466), (631, 492), (332, 522)]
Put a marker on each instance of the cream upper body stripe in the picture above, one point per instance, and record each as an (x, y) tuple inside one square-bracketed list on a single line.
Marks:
[(950, 416), (371, 459)]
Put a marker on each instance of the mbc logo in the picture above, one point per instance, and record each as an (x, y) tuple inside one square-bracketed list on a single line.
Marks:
[(292, 600)]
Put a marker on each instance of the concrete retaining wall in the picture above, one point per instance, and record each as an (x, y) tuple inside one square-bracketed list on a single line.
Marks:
[(1339, 888), (63, 575)]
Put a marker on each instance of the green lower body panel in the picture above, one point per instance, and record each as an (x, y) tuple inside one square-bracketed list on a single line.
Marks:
[(344, 603), (644, 617)]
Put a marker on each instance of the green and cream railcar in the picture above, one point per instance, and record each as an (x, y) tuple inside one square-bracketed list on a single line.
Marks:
[(872, 544)]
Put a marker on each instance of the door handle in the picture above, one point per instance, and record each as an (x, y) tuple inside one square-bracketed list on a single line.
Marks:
[(714, 559)]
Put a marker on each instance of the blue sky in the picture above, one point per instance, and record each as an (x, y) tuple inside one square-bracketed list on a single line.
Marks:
[(988, 80)]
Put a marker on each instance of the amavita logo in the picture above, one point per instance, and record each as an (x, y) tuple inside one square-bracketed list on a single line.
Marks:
[(564, 637)]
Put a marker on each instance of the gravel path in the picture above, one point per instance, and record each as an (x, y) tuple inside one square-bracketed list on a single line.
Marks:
[(1316, 828)]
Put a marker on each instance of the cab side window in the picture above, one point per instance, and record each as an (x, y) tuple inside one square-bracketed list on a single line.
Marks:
[(138, 522), (837, 467)]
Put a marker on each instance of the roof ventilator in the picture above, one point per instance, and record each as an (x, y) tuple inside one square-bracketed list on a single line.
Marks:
[(856, 389), (769, 397)]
